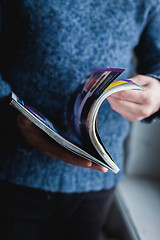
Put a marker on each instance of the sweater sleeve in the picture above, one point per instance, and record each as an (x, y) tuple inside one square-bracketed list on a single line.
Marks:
[(4, 86), (10, 137), (148, 50)]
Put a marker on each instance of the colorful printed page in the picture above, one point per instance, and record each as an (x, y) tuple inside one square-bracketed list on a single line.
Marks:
[(115, 86), (89, 90), (116, 83), (82, 115)]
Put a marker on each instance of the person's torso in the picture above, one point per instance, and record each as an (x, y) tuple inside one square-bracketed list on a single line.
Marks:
[(50, 46)]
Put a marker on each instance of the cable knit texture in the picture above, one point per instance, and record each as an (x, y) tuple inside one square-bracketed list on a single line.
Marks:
[(47, 47)]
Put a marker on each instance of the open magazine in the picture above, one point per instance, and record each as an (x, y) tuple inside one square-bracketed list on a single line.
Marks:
[(82, 115)]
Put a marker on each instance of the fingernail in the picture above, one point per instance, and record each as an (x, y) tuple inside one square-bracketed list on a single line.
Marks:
[(89, 164), (105, 170)]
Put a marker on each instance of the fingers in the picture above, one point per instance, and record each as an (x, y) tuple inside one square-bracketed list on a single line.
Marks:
[(142, 80), (39, 140), (23, 121), (135, 96), (69, 157), (55, 150), (98, 167), (130, 110), (135, 105), (26, 125)]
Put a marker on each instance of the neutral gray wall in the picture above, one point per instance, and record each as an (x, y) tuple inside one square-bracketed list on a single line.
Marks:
[(143, 148)]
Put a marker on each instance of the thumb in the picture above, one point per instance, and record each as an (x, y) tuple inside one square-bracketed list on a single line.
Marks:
[(22, 120)]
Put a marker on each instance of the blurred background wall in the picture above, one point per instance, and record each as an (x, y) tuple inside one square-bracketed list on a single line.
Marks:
[(143, 150), (135, 213)]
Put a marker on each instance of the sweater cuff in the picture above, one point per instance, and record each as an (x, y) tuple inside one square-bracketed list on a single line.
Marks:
[(157, 76), (11, 137)]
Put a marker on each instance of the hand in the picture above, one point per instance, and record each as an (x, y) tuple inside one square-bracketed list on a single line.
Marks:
[(38, 139), (135, 105)]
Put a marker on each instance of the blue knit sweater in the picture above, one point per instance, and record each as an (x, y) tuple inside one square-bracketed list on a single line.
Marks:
[(47, 47)]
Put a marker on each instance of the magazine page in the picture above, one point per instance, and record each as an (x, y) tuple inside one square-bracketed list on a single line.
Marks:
[(94, 90), (82, 115), (85, 96), (115, 86), (44, 124)]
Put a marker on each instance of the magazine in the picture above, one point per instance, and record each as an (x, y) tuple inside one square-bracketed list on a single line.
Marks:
[(82, 115)]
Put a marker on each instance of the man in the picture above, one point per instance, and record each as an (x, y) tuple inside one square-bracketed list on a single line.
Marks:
[(46, 49)]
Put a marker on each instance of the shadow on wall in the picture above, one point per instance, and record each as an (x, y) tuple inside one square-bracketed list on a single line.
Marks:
[(135, 213), (143, 150)]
